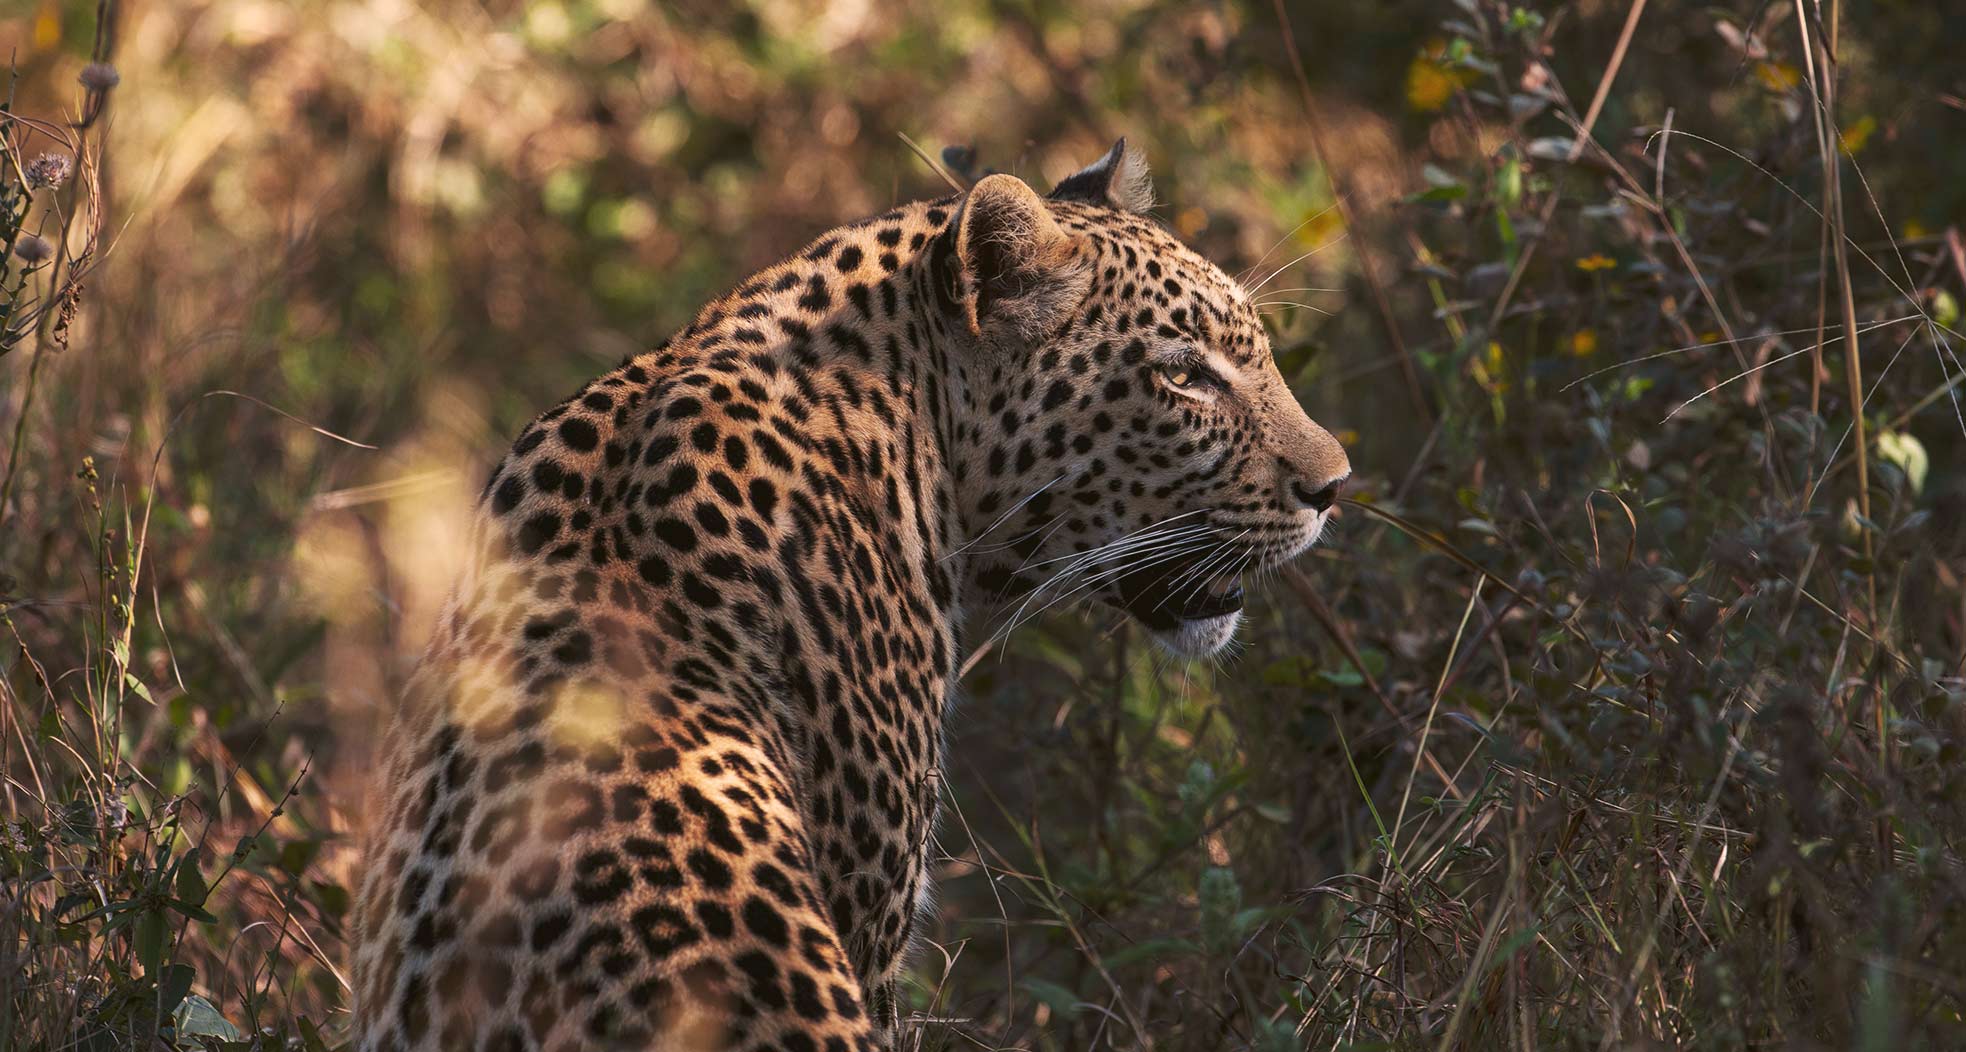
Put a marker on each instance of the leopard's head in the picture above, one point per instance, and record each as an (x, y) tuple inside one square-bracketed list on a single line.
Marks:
[(1128, 436)]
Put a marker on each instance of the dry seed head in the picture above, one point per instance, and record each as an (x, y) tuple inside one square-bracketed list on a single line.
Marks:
[(32, 249), (99, 76), (49, 171)]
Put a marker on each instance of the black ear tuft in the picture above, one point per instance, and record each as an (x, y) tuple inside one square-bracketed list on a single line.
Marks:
[(1117, 180), (962, 161)]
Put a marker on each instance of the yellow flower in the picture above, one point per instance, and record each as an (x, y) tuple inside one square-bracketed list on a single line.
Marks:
[(1945, 307), (1428, 85), (47, 27), (1431, 80), (1321, 227), (1853, 138), (1908, 453), (1596, 261), (1190, 221), (1777, 76), (1488, 369), (1583, 342)]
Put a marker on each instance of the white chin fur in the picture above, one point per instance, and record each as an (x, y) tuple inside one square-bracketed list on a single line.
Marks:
[(1201, 637)]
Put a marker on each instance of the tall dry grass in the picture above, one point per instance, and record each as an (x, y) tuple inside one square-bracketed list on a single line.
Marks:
[(1624, 709)]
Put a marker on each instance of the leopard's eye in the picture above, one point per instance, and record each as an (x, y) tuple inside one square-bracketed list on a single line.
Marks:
[(1187, 377)]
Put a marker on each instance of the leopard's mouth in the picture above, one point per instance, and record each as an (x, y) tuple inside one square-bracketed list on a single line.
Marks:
[(1166, 600), (1194, 607)]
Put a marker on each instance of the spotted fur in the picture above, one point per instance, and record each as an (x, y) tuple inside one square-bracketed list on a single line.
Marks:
[(667, 777)]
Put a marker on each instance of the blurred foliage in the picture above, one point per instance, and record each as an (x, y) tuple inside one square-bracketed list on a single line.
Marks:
[(1609, 716)]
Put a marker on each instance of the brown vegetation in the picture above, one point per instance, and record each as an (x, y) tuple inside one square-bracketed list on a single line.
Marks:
[(1624, 709)]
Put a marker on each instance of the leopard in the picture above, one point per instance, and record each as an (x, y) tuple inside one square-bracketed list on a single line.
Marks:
[(668, 774)]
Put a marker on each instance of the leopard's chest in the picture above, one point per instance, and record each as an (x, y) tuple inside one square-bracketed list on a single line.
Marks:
[(871, 738)]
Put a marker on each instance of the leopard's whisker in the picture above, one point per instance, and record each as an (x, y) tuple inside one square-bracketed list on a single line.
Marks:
[(1292, 303), (1019, 618), (1272, 275), (1012, 542), (1050, 528), (1132, 543), (1125, 542), (1141, 534), (1180, 574), (1203, 571), (1005, 517), (1265, 257), (1142, 549), (1303, 288), (1022, 618), (1105, 574)]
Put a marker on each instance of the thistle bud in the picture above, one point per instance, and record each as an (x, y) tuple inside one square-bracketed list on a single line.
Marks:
[(33, 249), (99, 76), (49, 171)]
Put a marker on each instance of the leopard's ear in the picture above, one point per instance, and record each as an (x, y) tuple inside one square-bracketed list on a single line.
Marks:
[(1018, 269), (1117, 180)]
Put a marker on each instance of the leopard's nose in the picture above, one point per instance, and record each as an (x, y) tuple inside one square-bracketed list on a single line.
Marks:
[(1316, 497)]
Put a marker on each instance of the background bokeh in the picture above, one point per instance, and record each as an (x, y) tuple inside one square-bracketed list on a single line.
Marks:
[(1616, 713)]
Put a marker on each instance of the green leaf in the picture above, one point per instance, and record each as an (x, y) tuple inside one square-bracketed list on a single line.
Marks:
[(1151, 951), (190, 883), (197, 1017), (1945, 309), (1249, 919), (1347, 675), (1439, 195), (1908, 453), (175, 984), (1508, 183), (297, 855), (1060, 1000), (1342, 677), (1194, 790), (1221, 898), (310, 1035), (331, 897), (1276, 1035), (151, 934), (197, 913), (1505, 229)]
